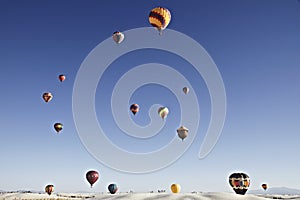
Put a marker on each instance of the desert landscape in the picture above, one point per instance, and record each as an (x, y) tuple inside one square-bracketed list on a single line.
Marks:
[(27, 195)]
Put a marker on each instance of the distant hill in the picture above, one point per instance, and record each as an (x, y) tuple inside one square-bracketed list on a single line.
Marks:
[(21, 191), (276, 190)]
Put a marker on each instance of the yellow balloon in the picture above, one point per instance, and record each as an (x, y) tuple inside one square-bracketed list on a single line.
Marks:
[(160, 18), (175, 188)]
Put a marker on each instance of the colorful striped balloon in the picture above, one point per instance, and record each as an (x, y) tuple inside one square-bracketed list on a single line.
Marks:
[(160, 18), (239, 182)]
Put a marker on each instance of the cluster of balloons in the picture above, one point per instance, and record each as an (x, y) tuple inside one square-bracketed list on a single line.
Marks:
[(163, 111), (47, 97), (240, 183), (92, 176), (159, 18)]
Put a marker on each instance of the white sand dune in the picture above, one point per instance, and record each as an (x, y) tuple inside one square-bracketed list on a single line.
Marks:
[(143, 196)]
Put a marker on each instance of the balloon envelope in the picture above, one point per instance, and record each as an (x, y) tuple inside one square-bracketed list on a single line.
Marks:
[(182, 132), (264, 186), (47, 96), (92, 176), (239, 182), (159, 18), (175, 188), (163, 112), (118, 37), (58, 127), (61, 77), (112, 188), (49, 189), (134, 108), (185, 90)]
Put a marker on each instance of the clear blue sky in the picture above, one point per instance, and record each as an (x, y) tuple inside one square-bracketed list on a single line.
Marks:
[(254, 43)]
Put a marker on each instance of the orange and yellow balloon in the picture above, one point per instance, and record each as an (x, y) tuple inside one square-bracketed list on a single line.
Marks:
[(160, 18)]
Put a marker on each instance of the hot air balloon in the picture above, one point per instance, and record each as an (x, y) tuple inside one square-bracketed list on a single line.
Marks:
[(182, 132), (175, 188), (47, 96), (185, 90), (163, 112), (112, 188), (49, 189), (264, 186), (58, 127), (118, 37), (160, 18), (92, 176), (240, 182), (61, 77), (134, 108)]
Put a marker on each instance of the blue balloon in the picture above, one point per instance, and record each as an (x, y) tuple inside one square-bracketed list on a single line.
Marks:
[(112, 188)]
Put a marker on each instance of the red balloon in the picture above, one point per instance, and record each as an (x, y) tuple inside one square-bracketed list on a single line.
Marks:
[(62, 77), (49, 189), (92, 176)]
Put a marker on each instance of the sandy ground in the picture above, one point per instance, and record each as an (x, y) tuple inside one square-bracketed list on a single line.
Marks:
[(143, 196)]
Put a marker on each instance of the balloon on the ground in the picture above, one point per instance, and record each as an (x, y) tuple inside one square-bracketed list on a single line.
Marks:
[(163, 112), (58, 127), (49, 189), (185, 90), (47, 96), (134, 108), (175, 188), (182, 132), (62, 77), (160, 18), (112, 188), (92, 176), (239, 182), (264, 186), (118, 37)]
